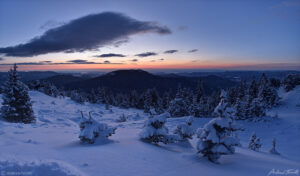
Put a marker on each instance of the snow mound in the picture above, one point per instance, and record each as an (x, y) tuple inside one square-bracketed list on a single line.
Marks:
[(37, 168)]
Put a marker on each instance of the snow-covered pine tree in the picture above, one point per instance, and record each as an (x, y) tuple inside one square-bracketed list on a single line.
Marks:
[(133, 99), (154, 130), (195, 109), (291, 81), (122, 118), (273, 149), (16, 105), (167, 97), (199, 91), (90, 130), (185, 130), (216, 137), (223, 109), (254, 143), (253, 90), (151, 100), (178, 106), (267, 95), (240, 108), (77, 96)]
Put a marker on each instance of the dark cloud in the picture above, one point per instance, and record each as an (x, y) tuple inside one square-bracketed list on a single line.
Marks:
[(146, 54), (161, 59), (171, 51), (134, 60), (193, 50), (86, 33), (50, 24), (29, 63), (110, 55), (79, 61), (1, 59), (153, 61)]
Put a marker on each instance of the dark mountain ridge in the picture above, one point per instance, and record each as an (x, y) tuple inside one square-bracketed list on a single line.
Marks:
[(139, 80)]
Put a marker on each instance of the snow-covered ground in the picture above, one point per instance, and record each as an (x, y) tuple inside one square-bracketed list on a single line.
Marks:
[(51, 146)]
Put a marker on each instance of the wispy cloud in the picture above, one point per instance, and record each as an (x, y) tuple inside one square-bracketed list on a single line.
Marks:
[(182, 28), (193, 50), (79, 61), (110, 55), (146, 54), (134, 60), (171, 51), (86, 33)]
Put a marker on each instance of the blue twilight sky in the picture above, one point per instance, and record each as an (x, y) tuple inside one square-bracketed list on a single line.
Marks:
[(223, 34)]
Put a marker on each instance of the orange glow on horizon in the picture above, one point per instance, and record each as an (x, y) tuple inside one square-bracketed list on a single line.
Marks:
[(157, 65)]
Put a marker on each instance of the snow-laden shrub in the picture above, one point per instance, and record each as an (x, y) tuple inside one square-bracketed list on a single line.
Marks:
[(90, 130), (122, 118), (216, 138), (155, 131), (185, 130), (273, 149), (254, 143)]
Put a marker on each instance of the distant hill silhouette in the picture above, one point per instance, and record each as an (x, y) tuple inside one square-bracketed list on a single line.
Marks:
[(139, 80), (29, 76)]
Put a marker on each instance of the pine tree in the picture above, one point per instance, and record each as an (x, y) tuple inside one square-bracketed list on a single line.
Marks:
[(223, 109), (216, 137), (291, 81), (194, 109), (151, 100), (199, 91), (253, 90), (254, 143), (155, 130), (273, 149), (16, 105), (267, 95), (178, 106)]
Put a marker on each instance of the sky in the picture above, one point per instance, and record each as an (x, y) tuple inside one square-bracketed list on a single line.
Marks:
[(142, 34)]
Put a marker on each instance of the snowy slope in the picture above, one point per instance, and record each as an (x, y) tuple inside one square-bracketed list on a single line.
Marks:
[(52, 145)]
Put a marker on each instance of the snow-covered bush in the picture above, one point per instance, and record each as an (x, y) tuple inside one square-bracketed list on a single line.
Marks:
[(122, 118), (90, 130), (254, 143), (273, 149), (216, 138), (16, 105), (155, 131), (185, 130)]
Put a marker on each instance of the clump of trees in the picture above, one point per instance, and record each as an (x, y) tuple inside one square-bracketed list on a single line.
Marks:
[(247, 100)]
